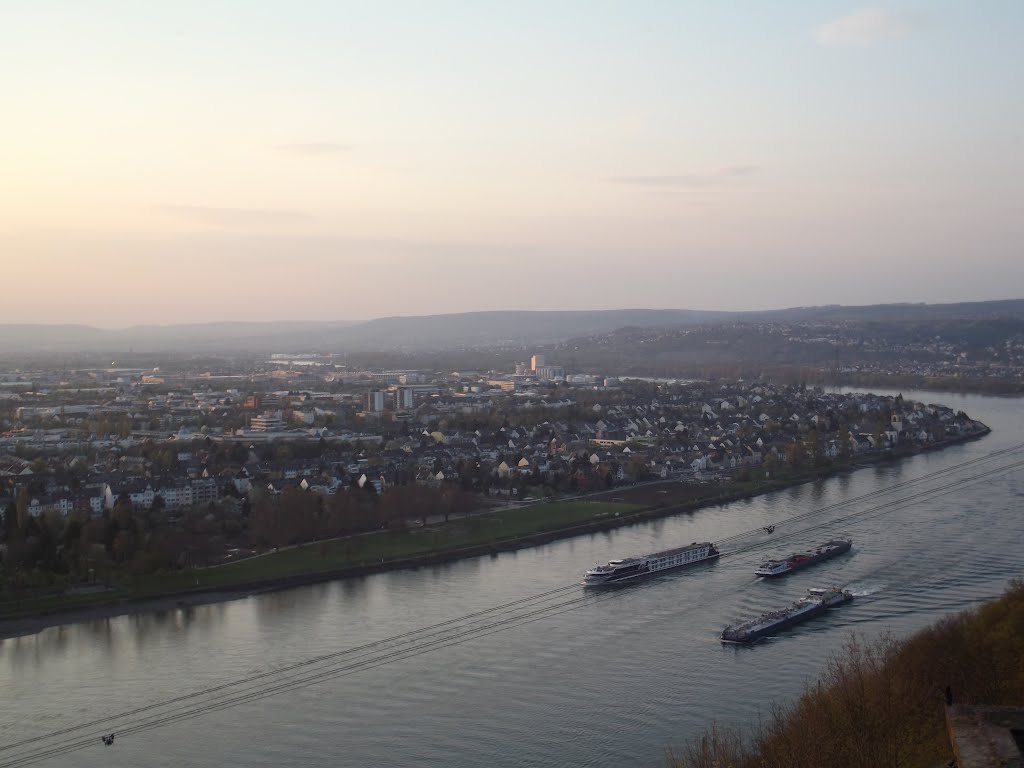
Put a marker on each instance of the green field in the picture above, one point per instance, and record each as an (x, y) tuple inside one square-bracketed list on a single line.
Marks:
[(490, 528), (502, 525)]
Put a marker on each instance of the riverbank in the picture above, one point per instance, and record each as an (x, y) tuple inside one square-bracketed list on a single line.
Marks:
[(885, 702), (498, 531), (30, 625)]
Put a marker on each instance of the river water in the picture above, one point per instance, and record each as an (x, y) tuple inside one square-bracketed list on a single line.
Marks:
[(616, 680)]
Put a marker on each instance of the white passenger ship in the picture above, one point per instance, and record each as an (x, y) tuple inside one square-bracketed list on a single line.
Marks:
[(645, 565)]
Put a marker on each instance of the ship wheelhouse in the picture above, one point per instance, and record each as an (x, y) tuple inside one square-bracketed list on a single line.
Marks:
[(772, 568), (614, 570)]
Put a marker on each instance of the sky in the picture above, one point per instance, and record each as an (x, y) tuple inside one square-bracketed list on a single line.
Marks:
[(246, 160)]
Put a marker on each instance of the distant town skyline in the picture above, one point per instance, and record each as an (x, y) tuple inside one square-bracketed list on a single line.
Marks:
[(204, 162)]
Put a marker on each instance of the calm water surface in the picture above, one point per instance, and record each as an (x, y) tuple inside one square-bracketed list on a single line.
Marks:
[(613, 681)]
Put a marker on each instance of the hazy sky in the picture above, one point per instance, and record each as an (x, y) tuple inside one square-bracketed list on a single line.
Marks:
[(192, 161)]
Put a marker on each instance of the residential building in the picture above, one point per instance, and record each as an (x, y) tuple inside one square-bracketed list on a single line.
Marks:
[(267, 422)]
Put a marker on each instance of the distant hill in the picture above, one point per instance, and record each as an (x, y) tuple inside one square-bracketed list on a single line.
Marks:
[(18, 338), (515, 327), (890, 313), (442, 332), (192, 337), (430, 332)]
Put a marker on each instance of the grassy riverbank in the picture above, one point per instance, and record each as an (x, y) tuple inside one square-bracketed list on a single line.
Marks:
[(881, 702), (502, 529)]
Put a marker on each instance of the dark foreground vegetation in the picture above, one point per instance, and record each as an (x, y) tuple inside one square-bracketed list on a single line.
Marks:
[(881, 703)]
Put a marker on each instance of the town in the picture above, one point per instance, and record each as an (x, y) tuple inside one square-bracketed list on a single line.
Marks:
[(111, 469)]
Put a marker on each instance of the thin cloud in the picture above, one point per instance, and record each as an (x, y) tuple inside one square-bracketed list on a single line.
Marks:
[(235, 218), (864, 26), (314, 148), (709, 179)]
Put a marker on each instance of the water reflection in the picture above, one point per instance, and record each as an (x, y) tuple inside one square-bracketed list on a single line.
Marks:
[(103, 635), (280, 605), (145, 625), (892, 470), (821, 489), (467, 567), (352, 589)]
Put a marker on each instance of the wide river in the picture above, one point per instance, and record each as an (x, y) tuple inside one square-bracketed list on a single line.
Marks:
[(614, 680)]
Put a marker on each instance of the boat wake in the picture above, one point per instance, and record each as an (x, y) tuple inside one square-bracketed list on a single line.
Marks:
[(865, 590)]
